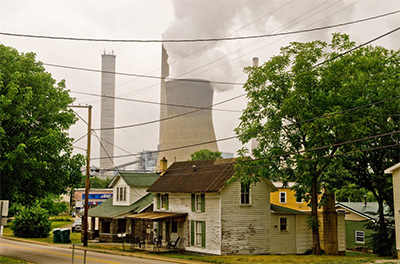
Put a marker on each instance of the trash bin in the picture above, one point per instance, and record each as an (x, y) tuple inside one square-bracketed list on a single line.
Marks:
[(65, 235), (57, 235)]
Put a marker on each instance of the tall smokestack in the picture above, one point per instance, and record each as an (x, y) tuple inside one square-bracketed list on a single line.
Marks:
[(254, 142), (107, 112), (163, 99)]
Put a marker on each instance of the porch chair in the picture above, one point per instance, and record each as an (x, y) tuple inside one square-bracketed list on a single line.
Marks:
[(173, 244)]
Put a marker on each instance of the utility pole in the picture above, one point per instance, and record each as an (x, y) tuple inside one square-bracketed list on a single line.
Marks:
[(87, 182)]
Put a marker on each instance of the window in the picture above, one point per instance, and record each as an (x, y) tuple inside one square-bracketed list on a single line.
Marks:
[(162, 201), (198, 233), (198, 202), (244, 193), (299, 199), (121, 194), (283, 224), (282, 197), (359, 237)]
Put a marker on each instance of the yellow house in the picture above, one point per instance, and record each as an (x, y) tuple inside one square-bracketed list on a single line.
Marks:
[(332, 224), (286, 197)]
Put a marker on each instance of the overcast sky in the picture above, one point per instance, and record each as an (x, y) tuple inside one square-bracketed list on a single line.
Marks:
[(180, 19)]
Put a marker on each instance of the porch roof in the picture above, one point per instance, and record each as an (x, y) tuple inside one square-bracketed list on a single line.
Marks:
[(157, 216), (108, 210)]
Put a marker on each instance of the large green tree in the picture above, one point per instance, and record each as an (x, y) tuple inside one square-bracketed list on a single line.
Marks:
[(298, 112), (36, 152)]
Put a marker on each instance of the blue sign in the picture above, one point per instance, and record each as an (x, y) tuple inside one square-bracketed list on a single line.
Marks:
[(98, 195)]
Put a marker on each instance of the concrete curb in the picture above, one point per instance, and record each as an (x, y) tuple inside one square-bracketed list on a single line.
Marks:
[(112, 252)]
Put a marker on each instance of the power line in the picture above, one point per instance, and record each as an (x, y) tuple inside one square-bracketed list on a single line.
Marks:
[(172, 117), (198, 40), (312, 67), (283, 126), (155, 103), (276, 156)]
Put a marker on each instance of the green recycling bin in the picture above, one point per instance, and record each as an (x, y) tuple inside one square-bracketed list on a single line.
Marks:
[(57, 235), (65, 232)]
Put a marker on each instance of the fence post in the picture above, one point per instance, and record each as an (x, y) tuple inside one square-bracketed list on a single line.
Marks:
[(73, 253)]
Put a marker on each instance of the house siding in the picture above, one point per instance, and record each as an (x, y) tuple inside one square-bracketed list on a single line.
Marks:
[(304, 235), (133, 194), (245, 229), (341, 233), (283, 242), (181, 203)]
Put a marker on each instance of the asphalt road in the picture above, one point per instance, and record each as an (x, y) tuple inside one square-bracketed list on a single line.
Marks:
[(46, 254)]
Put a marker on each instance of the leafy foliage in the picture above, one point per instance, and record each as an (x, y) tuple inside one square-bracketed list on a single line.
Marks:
[(299, 114), (36, 152), (31, 222), (205, 154), (53, 205)]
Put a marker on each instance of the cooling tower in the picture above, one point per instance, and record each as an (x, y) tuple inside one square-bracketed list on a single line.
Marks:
[(107, 112), (184, 128)]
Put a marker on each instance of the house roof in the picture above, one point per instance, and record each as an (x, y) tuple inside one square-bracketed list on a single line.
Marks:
[(195, 176), (368, 211), (108, 210), (135, 179), (280, 209)]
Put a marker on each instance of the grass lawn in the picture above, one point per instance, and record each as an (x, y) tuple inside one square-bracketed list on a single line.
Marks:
[(6, 260), (75, 237), (350, 258)]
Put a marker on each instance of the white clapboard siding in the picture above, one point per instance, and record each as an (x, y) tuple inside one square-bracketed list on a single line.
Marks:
[(283, 242), (245, 229)]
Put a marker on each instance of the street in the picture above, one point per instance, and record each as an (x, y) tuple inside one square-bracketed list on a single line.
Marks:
[(52, 254)]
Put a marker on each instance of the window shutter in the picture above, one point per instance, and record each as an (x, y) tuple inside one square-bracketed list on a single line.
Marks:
[(166, 202), (192, 232), (203, 233), (158, 200), (193, 202), (203, 202)]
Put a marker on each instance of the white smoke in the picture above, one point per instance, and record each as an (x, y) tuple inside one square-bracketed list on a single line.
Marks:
[(225, 60)]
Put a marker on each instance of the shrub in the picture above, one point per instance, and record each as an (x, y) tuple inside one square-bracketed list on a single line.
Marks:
[(31, 222)]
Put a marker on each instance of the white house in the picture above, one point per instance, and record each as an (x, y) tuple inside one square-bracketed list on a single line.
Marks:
[(210, 215), (129, 197)]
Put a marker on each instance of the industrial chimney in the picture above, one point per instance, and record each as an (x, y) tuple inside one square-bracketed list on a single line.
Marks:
[(180, 127), (107, 113)]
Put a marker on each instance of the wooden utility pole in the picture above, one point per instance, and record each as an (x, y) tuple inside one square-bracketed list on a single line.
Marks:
[(87, 182)]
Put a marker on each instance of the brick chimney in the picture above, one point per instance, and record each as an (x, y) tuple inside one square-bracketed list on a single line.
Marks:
[(163, 165)]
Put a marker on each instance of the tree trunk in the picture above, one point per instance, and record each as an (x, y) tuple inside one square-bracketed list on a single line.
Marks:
[(314, 213)]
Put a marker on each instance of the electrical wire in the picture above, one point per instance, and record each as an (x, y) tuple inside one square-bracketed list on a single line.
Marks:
[(155, 103), (312, 67), (283, 126), (201, 39), (235, 162)]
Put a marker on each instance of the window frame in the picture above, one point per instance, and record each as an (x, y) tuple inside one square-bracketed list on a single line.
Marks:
[(356, 237), (198, 233), (245, 197), (164, 201), (280, 197), (283, 224), (121, 194)]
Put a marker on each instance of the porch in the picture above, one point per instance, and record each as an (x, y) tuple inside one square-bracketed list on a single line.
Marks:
[(167, 232)]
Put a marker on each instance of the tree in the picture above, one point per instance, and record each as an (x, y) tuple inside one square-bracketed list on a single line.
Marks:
[(205, 154), (299, 113), (31, 222), (36, 152)]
